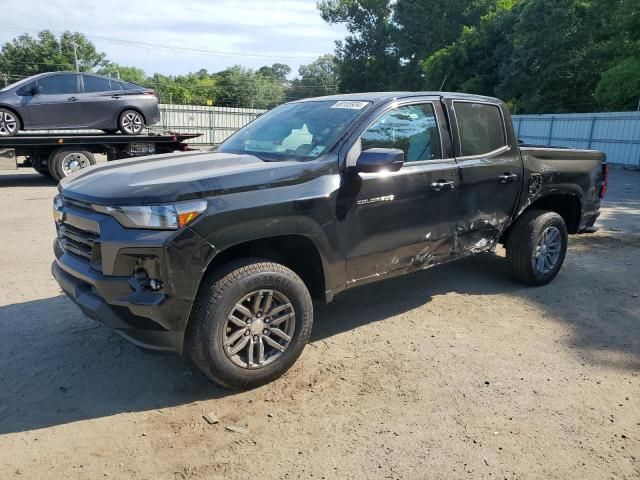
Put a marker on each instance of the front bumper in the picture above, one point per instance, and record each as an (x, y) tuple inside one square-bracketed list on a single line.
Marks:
[(107, 289)]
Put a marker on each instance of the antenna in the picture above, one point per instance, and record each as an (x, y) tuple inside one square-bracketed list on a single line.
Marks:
[(444, 80)]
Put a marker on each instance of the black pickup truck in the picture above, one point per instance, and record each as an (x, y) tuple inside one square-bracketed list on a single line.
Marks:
[(219, 255)]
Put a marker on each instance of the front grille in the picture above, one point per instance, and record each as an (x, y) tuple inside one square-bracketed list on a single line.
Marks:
[(78, 242)]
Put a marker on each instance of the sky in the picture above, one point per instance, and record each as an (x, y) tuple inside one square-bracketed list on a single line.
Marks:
[(179, 36)]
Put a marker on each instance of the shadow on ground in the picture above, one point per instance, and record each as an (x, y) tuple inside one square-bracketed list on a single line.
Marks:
[(71, 368)]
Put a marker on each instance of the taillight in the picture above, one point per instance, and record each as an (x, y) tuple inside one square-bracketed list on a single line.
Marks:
[(603, 187), (150, 92)]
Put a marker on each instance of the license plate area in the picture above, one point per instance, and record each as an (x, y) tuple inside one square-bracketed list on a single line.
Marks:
[(141, 148)]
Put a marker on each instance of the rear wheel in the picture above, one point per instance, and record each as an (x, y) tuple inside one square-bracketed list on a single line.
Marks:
[(536, 247), (131, 122), (68, 160), (250, 323), (9, 123)]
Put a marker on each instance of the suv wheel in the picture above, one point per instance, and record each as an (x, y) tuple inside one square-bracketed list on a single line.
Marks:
[(131, 122), (250, 323), (9, 123), (536, 247)]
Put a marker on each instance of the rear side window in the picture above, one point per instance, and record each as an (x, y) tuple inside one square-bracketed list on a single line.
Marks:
[(95, 84), (480, 127), (115, 86), (411, 128), (58, 84), (130, 86)]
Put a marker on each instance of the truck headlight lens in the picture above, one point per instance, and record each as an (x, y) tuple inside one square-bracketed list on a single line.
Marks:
[(158, 217)]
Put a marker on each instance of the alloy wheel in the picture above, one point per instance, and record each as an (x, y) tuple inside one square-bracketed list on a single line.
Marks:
[(259, 329), (547, 251), (8, 123), (132, 123)]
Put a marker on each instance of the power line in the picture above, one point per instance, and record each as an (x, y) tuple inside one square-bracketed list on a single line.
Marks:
[(177, 48)]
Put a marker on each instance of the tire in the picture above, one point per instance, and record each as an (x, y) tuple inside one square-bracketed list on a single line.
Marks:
[(110, 131), (9, 123), (67, 160), (209, 326), (131, 122), (531, 258)]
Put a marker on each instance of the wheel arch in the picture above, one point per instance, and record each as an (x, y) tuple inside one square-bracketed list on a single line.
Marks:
[(567, 204), (294, 251)]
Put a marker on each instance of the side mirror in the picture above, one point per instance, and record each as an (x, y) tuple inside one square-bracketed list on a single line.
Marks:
[(380, 160), (36, 90)]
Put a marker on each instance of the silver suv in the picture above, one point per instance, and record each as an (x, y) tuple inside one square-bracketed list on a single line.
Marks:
[(66, 100)]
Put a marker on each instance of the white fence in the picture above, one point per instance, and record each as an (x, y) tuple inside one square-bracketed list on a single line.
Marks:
[(617, 134), (214, 123)]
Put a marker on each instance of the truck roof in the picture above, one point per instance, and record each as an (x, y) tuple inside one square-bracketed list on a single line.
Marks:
[(378, 97)]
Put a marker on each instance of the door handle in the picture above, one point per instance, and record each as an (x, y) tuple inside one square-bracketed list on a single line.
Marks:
[(442, 184), (508, 177), (116, 97), (72, 99)]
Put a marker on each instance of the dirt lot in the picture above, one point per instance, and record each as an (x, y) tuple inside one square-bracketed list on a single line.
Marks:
[(456, 372)]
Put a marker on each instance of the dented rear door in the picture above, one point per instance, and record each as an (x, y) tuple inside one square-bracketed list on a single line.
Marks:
[(491, 172)]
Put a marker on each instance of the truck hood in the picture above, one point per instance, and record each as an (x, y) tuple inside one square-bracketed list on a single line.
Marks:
[(173, 177)]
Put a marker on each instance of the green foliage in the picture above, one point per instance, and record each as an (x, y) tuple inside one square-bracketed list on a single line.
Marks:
[(619, 86), (130, 74), (538, 55), (316, 79), (27, 55)]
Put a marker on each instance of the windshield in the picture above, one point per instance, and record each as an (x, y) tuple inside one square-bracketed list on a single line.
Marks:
[(295, 131)]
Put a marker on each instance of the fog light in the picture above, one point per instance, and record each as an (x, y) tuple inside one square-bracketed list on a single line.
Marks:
[(155, 284)]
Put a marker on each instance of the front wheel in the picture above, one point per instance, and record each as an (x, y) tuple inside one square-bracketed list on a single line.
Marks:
[(536, 247), (131, 122), (250, 323), (9, 123)]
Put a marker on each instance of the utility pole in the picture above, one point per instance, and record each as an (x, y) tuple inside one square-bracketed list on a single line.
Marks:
[(6, 79), (75, 54)]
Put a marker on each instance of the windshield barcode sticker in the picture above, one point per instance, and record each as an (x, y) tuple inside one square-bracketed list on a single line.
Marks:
[(351, 105)]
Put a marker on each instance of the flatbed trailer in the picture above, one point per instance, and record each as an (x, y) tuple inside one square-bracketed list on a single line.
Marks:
[(58, 155)]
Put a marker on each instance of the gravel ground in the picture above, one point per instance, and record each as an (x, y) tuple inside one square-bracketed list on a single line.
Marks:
[(455, 372)]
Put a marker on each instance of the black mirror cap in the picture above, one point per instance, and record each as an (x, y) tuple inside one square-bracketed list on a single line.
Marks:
[(375, 160)]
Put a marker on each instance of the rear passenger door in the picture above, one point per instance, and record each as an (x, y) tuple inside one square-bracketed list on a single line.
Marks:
[(490, 172), (401, 220), (100, 105)]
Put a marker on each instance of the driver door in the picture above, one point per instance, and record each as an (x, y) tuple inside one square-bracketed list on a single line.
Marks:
[(402, 220), (57, 106)]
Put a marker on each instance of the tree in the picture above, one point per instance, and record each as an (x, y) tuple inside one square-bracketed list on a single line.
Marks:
[(25, 55), (368, 58), (316, 79), (129, 74)]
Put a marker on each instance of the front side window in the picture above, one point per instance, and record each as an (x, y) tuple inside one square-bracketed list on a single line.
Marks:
[(58, 85), (480, 128), (95, 84), (295, 131), (411, 128)]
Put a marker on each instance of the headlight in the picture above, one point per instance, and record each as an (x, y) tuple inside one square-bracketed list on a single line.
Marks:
[(158, 217)]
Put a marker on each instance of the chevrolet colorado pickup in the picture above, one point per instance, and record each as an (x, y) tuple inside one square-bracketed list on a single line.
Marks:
[(218, 255)]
